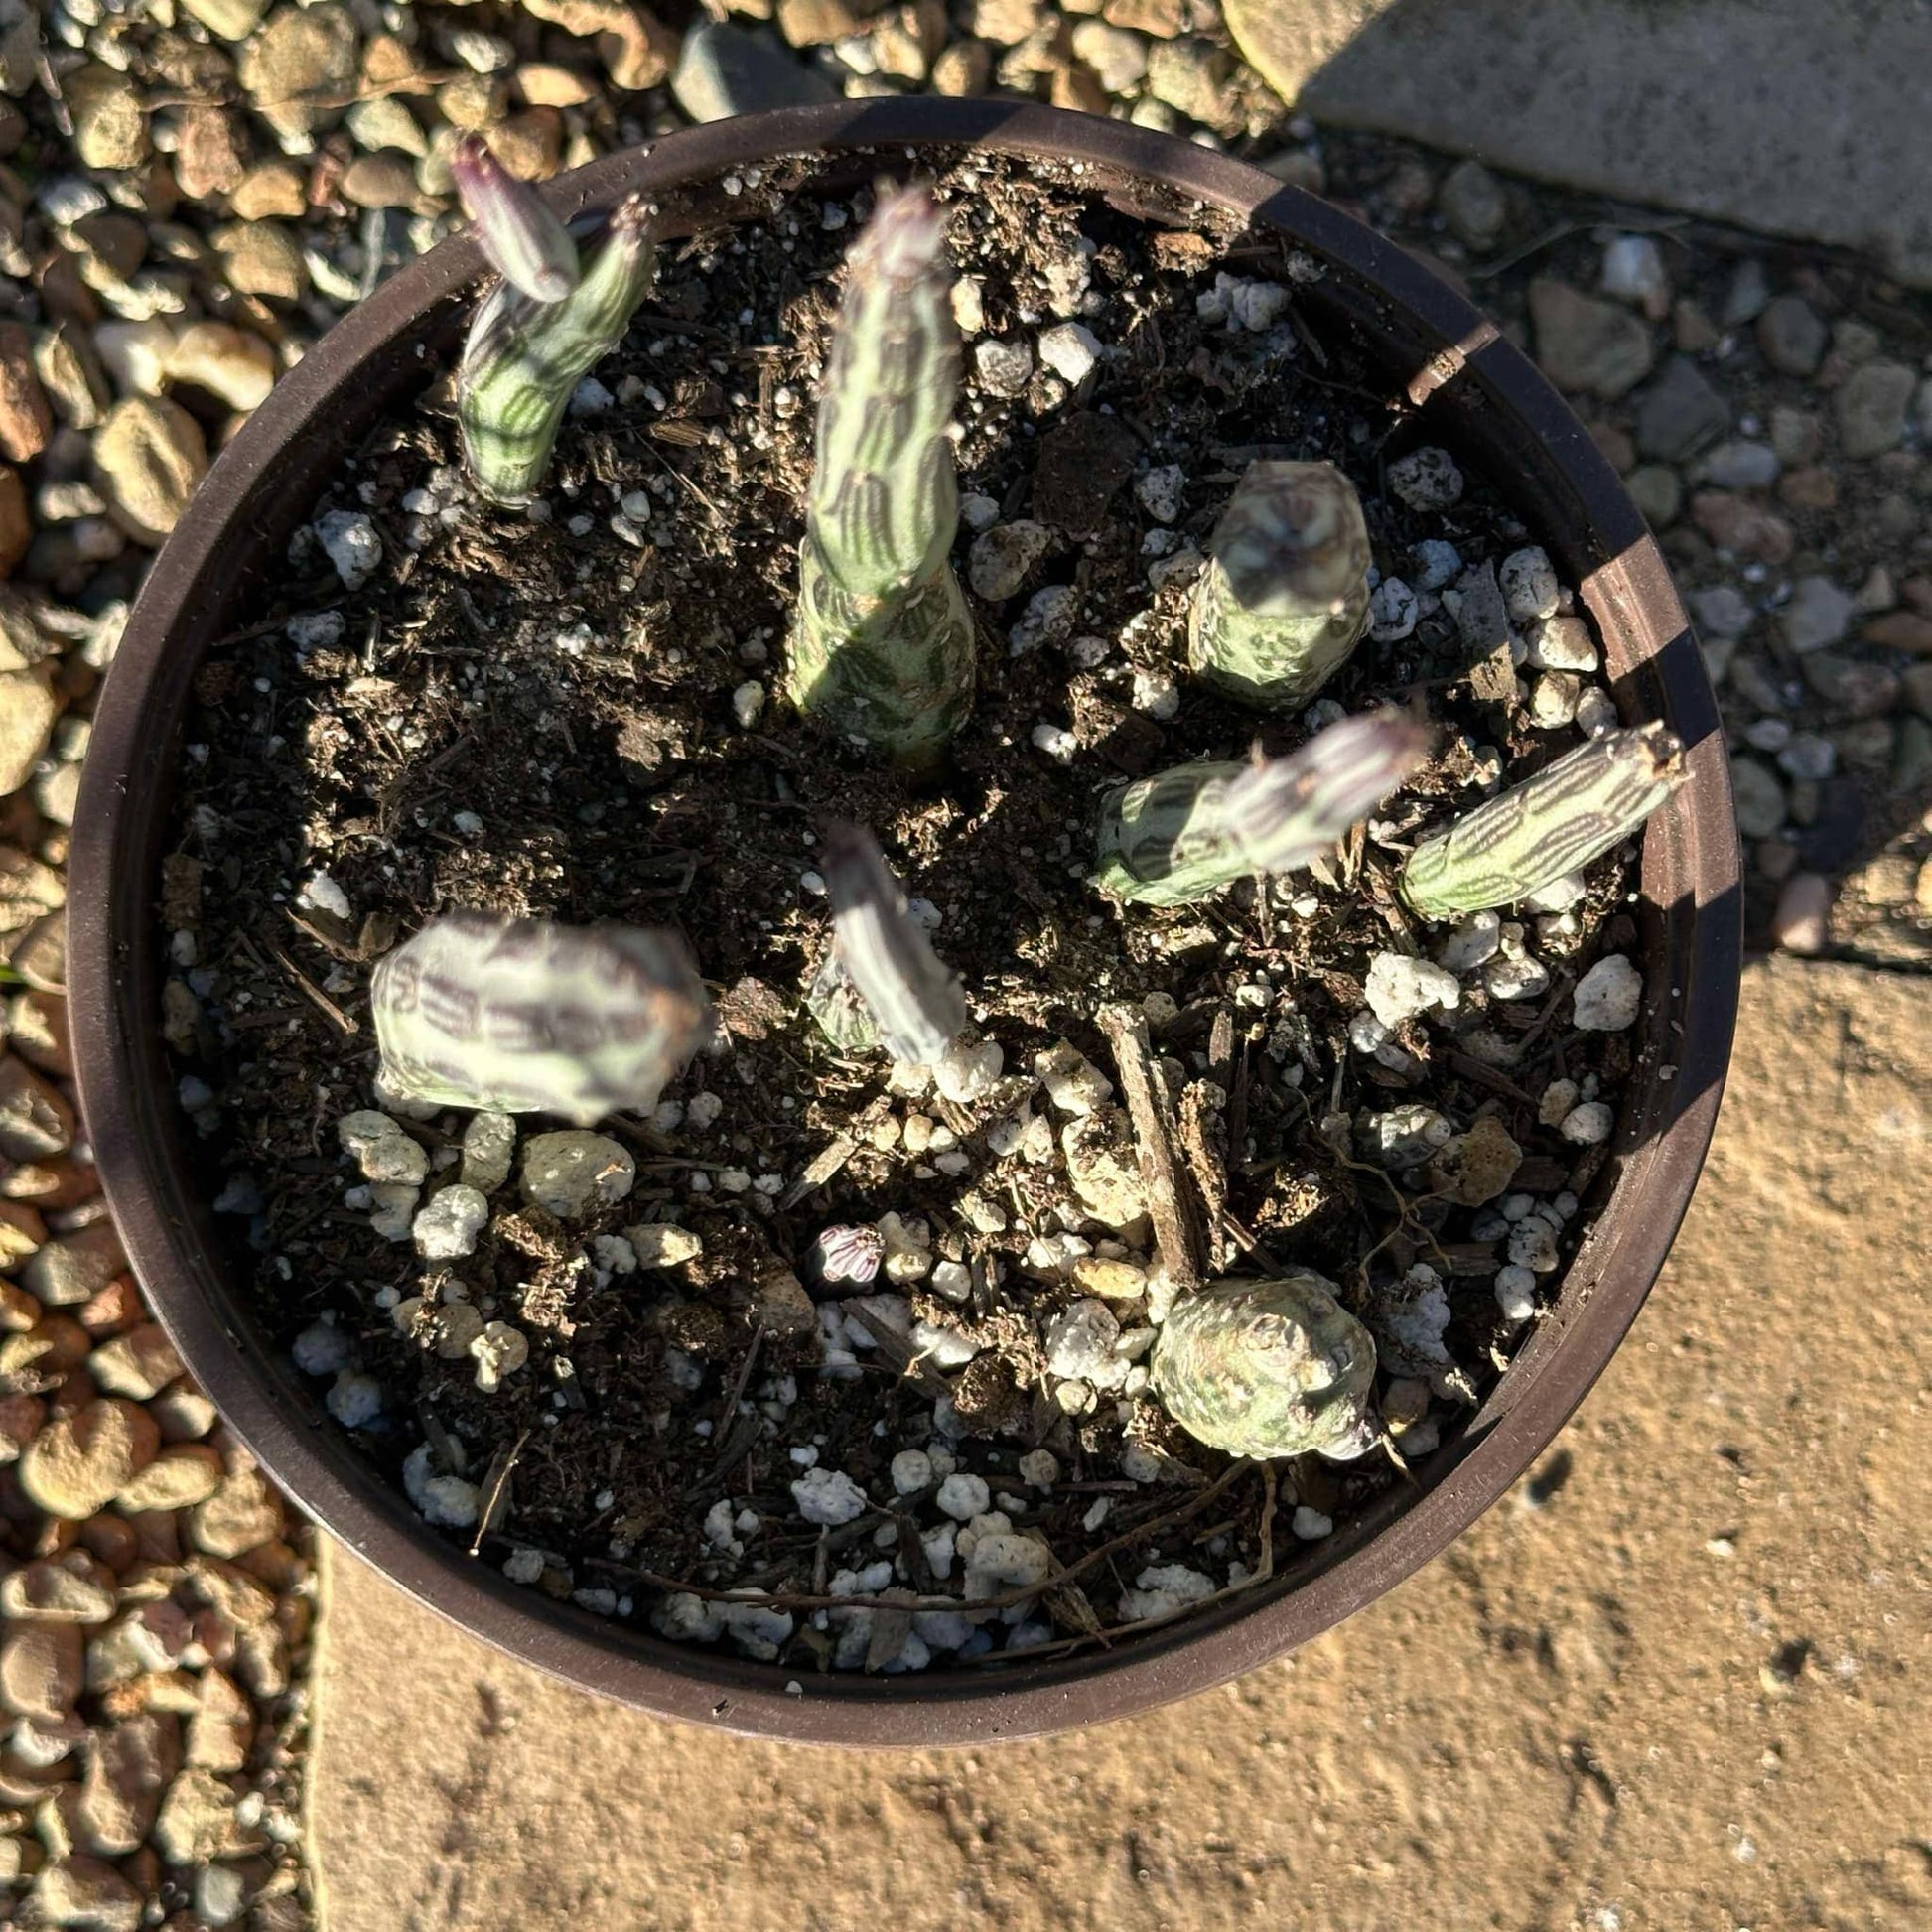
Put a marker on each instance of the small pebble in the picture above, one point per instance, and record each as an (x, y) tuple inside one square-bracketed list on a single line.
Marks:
[(499, 1351), (446, 1229), (1609, 996), (321, 1349), (1515, 1292), (354, 1400), (1069, 351), (349, 541), (1003, 367), (1392, 612), (1426, 479), (962, 1497), (828, 1497), (1400, 988), (1802, 922), (1587, 1123)]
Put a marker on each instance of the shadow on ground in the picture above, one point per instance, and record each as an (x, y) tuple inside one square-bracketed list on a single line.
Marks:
[(1675, 1680)]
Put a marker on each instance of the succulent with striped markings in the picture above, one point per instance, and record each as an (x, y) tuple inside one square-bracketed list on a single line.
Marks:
[(1282, 599), (1268, 1368), (526, 356), (524, 242), (1528, 837), (881, 646), (1182, 835), (910, 995), (519, 1015)]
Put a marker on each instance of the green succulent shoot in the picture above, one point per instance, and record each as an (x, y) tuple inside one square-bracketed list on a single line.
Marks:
[(1531, 835), (882, 984), (524, 242), (1282, 599), (1267, 1369), (521, 1016), (1180, 835), (526, 354), (882, 647)]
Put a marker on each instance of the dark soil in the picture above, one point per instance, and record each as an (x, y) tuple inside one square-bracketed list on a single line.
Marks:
[(573, 690)]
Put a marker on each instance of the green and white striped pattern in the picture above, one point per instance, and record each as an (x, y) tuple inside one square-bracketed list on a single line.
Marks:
[(882, 647), (1282, 599), (523, 1016), (1267, 1369), (1182, 835), (523, 360), (1530, 836)]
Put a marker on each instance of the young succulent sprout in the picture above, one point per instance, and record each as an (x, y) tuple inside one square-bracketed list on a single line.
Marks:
[(1284, 596), (1528, 837), (881, 646), (519, 1015), (524, 241), (525, 358), (911, 994), (1182, 835), (1268, 1368)]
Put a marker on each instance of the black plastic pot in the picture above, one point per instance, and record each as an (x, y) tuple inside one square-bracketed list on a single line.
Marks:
[(1474, 393)]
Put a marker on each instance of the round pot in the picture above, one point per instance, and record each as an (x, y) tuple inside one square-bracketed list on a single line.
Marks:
[(1469, 390)]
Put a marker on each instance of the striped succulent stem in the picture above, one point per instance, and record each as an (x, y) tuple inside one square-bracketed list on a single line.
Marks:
[(523, 1016), (1531, 835), (1182, 835), (1284, 597), (1267, 1369), (882, 647), (910, 995), (524, 358), (524, 241)]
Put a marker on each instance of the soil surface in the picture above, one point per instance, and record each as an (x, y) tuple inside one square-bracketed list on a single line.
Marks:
[(573, 714)]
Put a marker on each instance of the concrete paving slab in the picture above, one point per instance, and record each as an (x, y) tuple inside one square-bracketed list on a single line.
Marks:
[(1782, 115), (1677, 1680)]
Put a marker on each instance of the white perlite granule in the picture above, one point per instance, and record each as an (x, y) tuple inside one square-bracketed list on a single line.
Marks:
[(828, 1496), (1400, 988), (1609, 996)]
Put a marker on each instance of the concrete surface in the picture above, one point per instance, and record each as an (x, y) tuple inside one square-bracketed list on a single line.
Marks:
[(1678, 1681), (1784, 115)]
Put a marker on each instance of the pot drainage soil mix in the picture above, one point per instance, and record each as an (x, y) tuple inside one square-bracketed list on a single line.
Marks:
[(632, 1386)]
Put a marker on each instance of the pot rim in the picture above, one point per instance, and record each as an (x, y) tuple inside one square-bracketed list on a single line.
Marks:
[(1693, 856)]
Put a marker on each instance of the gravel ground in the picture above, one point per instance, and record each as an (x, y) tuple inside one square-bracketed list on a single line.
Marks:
[(189, 192)]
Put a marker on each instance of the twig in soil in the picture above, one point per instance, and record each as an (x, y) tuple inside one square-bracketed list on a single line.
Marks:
[(248, 632), (313, 992), (824, 1166), (1263, 1571), (1174, 1227), (744, 1375), (497, 1490), (1565, 981), (1474, 1070), (788, 1601), (1246, 1242)]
